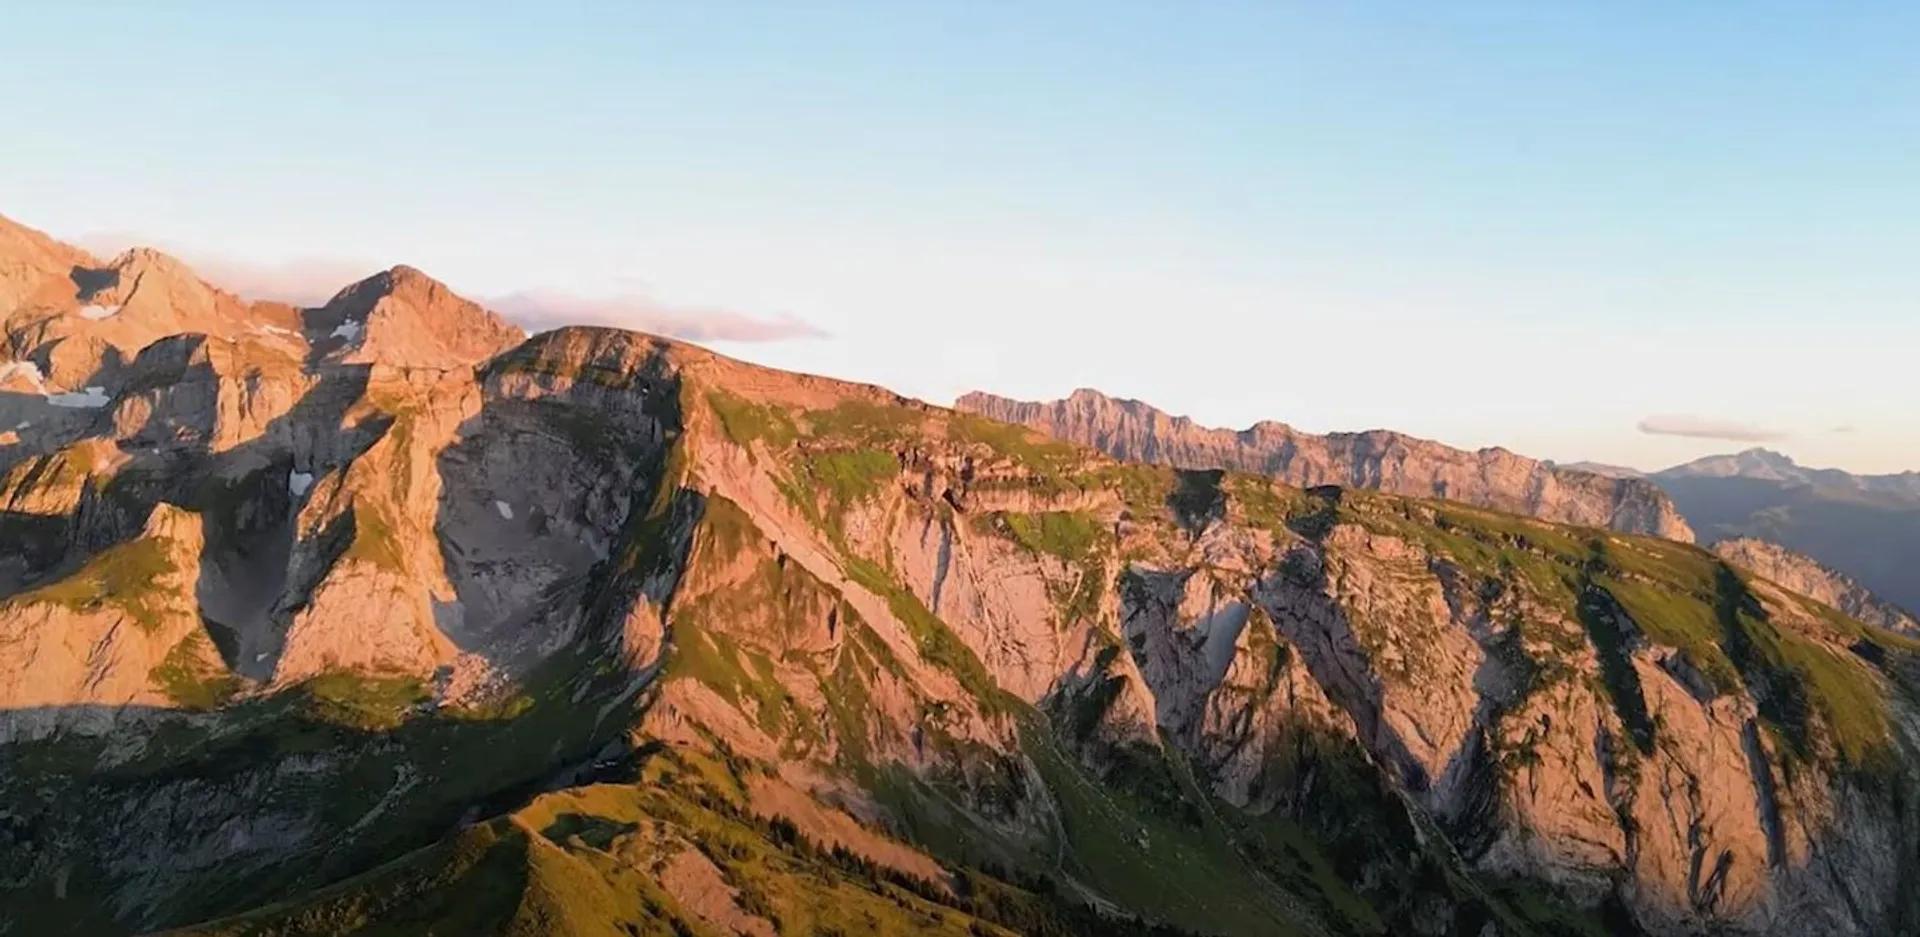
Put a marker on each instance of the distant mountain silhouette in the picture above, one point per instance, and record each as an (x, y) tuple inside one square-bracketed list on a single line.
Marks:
[(1867, 526)]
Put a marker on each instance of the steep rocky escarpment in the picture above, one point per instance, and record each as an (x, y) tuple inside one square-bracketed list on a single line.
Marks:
[(427, 628), (1493, 478), (1804, 575)]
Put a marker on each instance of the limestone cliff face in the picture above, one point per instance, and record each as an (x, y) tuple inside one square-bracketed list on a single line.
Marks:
[(1392, 462), (115, 635), (1808, 577), (284, 608)]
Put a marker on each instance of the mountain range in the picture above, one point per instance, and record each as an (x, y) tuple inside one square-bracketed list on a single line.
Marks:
[(1379, 459), (381, 617), (1857, 531)]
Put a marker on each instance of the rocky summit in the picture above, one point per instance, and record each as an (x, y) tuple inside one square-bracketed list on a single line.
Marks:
[(381, 618)]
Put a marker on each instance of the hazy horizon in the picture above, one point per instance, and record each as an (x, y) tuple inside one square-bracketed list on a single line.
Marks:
[(312, 283), (1632, 237)]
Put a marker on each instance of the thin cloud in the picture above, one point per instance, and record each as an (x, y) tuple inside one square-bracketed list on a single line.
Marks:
[(538, 310), (1695, 427), (298, 283), (1843, 429), (105, 244)]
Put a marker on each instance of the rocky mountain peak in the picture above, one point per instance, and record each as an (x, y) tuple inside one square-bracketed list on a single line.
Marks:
[(140, 261), (405, 318), (77, 321), (144, 283), (406, 275), (1749, 463), (1760, 460), (403, 282), (1091, 398)]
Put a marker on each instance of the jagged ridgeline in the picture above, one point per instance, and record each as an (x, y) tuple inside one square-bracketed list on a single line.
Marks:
[(598, 633)]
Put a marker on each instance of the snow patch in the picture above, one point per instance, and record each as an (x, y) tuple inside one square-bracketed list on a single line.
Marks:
[(349, 330), (505, 509), (97, 313), (93, 398), (25, 369), (265, 329), (299, 482), (1221, 631)]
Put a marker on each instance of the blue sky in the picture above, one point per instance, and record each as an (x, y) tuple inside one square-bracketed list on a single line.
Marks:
[(1524, 224)]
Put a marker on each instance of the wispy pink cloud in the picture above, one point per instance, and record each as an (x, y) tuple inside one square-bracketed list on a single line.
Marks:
[(537, 310), (299, 282)]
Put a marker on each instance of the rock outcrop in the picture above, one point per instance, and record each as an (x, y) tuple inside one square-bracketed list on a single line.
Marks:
[(1387, 461), (1804, 575)]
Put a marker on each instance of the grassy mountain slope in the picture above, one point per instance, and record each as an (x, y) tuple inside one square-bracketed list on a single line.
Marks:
[(676, 851)]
